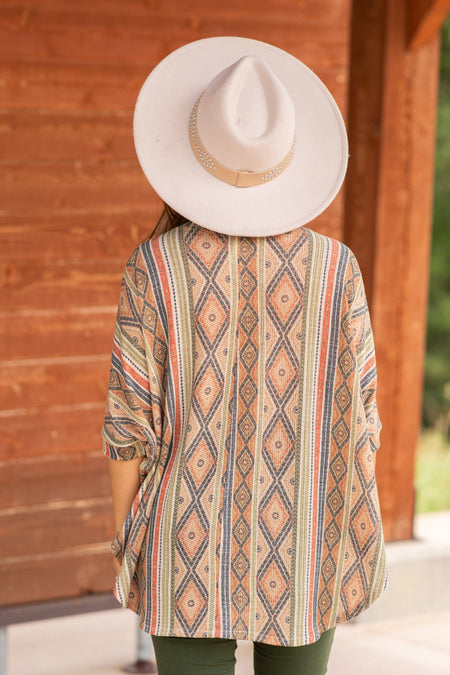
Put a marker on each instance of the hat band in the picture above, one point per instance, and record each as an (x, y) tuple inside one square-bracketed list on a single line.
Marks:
[(237, 178)]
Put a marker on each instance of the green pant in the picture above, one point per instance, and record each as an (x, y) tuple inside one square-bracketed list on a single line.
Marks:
[(215, 656)]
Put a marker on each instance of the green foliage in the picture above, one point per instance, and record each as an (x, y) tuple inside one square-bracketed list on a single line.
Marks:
[(445, 52), (436, 397), (432, 473)]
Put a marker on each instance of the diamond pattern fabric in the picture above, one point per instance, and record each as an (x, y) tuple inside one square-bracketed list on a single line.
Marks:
[(243, 373)]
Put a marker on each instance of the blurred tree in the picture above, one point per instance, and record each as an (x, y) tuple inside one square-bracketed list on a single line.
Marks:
[(436, 399)]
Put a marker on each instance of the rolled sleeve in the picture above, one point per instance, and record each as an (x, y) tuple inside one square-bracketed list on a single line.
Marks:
[(125, 452), (127, 430)]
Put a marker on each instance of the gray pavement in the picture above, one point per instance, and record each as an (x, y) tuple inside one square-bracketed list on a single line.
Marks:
[(102, 642), (405, 632)]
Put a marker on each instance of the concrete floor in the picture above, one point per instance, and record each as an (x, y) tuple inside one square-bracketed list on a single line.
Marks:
[(88, 645)]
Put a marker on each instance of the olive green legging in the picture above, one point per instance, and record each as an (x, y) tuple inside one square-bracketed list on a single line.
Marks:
[(215, 656)]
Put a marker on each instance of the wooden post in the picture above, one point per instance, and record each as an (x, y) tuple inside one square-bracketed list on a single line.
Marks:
[(388, 213), (425, 18)]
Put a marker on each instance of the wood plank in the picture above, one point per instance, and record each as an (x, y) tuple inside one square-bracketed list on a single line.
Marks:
[(55, 381), (38, 480), (425, 20), (30, 284), (308, 9), (61, 185), (112, 235), (395, 133), (59, 283), (47, 333), (61, 86), (46, 135), (74, 185), (51, 431), (67, 86), (122, 38), (84, 570), (54, 527), (88, 234)]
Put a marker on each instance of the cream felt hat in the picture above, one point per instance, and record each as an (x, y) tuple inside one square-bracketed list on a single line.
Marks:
[(240, 137)]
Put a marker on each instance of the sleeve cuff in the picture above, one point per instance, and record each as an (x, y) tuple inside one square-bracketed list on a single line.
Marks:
[(137, 449)]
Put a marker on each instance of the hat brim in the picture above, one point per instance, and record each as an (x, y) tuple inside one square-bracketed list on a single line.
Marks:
[(296, 197)]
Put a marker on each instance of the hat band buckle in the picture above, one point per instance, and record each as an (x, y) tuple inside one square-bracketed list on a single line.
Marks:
[(223, 173)]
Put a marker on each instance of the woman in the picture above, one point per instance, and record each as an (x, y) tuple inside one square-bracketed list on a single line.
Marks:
[(242, 391)]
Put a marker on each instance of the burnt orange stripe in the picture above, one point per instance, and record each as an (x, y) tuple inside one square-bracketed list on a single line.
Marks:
[(165, 286)]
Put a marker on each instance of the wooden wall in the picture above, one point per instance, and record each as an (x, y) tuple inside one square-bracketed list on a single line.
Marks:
[(73, 205)]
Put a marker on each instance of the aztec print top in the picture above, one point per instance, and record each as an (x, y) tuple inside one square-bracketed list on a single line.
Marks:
[(243, 372)]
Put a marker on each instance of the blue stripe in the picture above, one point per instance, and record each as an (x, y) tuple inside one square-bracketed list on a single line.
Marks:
[(328, 405), (369, 376), (227, 510), (131, 383)]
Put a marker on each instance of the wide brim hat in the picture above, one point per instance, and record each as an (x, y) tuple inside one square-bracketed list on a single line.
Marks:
[(163, 118)]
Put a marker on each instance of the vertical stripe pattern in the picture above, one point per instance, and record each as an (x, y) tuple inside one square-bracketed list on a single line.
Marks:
[(243, 374)]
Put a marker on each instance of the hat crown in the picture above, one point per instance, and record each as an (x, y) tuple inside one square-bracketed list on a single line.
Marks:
[(246, 118)]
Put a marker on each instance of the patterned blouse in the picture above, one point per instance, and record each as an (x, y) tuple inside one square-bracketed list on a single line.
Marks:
[(243, 373)]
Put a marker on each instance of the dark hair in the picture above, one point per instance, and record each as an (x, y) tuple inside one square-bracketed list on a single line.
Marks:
[(168, 219)]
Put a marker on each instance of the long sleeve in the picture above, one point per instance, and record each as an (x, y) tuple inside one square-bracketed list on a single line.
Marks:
[(128, 429), (365, 355)]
